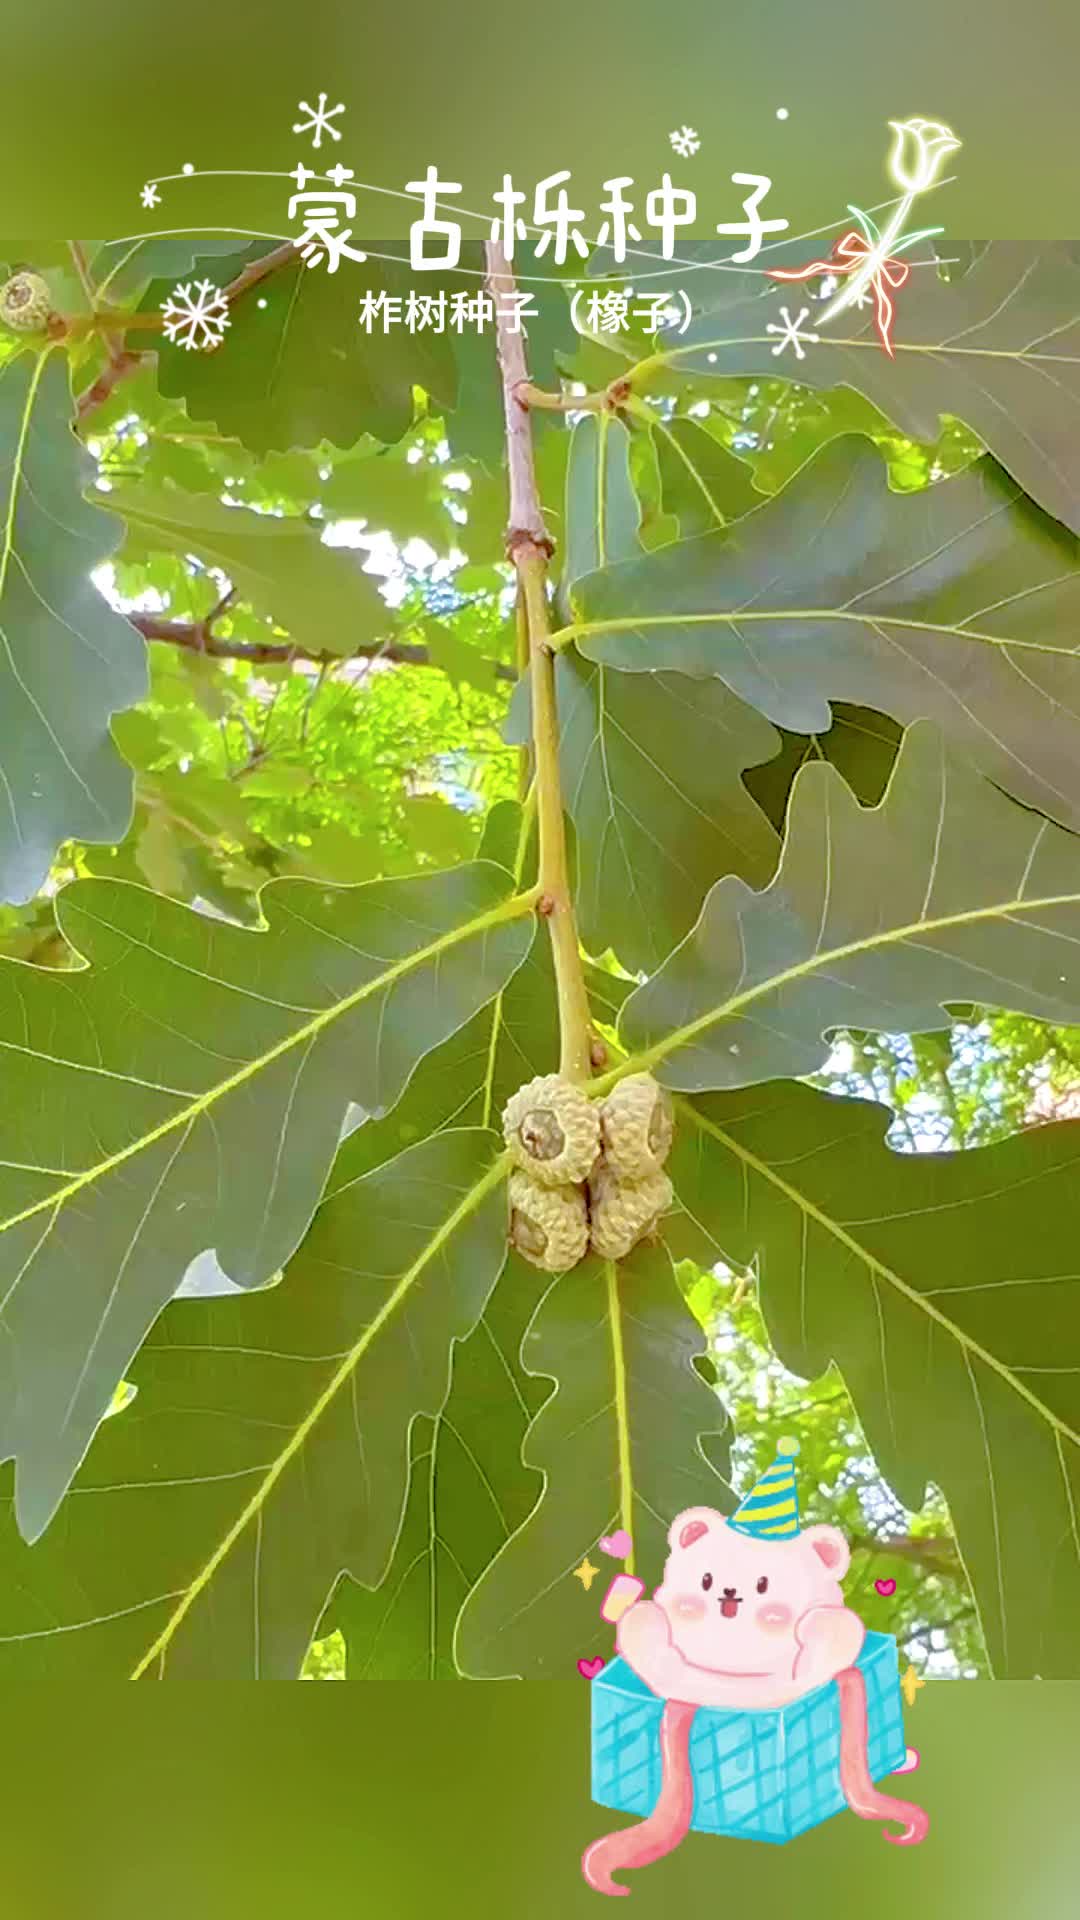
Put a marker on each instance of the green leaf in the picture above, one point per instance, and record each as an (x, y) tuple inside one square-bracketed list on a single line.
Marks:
[(465, 1078), (187, 1091), (959, 603), (470, 1489), (160, 855), (67, 661), (998, 347), (458, 658), (318, 594), (618, 1444), (601, 506), (651, 768), (267, 1447), (437, 829), (861, 746), (296, 366), (468, 1493), (468, 1080), (944, 1288), (702, 484), (122, 268), (383, 487), (878, 919)]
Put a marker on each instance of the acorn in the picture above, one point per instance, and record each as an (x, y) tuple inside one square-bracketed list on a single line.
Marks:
[(25, 303), (636, 1127), (552, 1130), (548, 1225), (622, 1212)]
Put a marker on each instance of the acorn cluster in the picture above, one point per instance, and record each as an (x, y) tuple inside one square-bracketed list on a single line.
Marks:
[(588, 1173)]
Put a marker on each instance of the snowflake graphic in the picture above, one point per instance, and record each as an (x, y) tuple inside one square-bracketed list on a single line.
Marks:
[(790, 333), (196, 316), (319, 120), (150, 195), (685, 141)]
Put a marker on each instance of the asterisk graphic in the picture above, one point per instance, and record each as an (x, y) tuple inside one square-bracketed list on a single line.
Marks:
[(685, 141), (586, 1573), (150, 196), (319, 121), (196, 315), (910, 1684), (790, 334)]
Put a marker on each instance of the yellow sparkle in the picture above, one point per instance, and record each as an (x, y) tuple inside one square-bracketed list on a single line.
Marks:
[(586, 1573), (910, 1684)]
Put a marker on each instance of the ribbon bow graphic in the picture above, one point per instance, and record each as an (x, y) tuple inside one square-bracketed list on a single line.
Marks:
[(866, 256)]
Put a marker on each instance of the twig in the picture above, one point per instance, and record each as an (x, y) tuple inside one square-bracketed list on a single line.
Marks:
[(529, 547), (82, 269), (123, 361), (259, 269), (604, 400), (116, 370), (196, 637)]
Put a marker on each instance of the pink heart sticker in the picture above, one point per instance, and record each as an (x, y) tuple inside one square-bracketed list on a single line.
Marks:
[(885, 1588), (618, 1546), (590, 1668)]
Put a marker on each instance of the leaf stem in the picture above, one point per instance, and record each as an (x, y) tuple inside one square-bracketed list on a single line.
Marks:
[(529, 547)]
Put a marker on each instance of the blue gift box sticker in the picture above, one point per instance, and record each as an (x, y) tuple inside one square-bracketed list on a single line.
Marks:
[(757, 1775)]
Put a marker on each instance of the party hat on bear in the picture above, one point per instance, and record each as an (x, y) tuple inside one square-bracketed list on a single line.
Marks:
[(771, 1510)]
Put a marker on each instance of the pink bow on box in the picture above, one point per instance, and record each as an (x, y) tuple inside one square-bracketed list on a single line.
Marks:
[(849, 253)]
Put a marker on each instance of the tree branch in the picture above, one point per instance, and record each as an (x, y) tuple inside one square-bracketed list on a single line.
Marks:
[(938, 1554), (529, 547), (197, 637), (124, 361)]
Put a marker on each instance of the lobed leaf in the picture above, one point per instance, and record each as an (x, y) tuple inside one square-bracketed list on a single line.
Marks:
[(651, 768), (318, 594), (944, 1287), (957, 604), (268, 384), (67, 661), (997, 346), (468, 1494), (186, 1092), (267, 1445), (601, 524), (878, 919), (618, 1442)]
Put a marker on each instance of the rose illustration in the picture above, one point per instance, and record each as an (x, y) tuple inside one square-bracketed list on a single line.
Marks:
[(919, 152)]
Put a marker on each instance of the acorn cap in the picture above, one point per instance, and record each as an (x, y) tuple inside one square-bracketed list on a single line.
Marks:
[(636, 1126), (548, 1225), (25, 303), (553, 1130), (622, 1212)]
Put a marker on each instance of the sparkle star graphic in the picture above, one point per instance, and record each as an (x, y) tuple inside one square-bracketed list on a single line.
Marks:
[(320, 120), (586, 1573), (792, 333), (910, 1684), (150, 195)]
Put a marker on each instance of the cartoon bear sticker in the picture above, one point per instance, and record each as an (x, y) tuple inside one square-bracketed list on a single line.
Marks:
[(749, 1616)]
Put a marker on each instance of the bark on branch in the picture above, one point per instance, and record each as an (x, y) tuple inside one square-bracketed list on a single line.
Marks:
[(198, 637), (529, 546)]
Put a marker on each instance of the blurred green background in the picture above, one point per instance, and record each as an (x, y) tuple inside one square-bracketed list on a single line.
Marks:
[(104, 101)]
